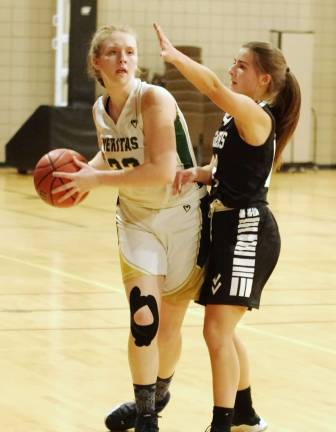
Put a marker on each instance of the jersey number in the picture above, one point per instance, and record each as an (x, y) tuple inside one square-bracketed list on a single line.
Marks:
[(126, 163)]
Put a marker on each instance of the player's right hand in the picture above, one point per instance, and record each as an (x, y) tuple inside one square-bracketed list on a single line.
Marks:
[(81, 181)]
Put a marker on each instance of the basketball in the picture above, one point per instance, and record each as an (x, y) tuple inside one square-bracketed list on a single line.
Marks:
[(56, 160)]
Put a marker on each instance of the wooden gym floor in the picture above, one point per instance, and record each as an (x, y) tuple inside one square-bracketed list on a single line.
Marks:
[(64, 317)]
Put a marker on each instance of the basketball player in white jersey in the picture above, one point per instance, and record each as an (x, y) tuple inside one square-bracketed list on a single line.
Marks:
[(143, 139), (261, 104)]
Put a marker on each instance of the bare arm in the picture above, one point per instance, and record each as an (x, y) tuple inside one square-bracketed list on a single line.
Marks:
[(204, 174), (253, 123), (195, 174), (159, 112)]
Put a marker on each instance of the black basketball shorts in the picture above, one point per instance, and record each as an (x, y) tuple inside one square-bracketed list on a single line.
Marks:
[(244, 250)]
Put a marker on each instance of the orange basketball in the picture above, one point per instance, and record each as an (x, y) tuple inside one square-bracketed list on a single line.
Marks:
[(56, 160)]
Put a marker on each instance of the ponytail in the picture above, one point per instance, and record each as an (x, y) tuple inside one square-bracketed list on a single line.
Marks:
[(283, 94), (286, 111)]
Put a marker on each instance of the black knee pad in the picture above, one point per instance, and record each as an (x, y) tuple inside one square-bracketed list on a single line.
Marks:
[(143, 334)]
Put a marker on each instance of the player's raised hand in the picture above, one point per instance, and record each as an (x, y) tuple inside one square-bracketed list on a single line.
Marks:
[(168, 51)]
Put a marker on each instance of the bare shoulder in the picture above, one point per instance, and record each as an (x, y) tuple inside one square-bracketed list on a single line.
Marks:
[(95, 105), (154, 95)]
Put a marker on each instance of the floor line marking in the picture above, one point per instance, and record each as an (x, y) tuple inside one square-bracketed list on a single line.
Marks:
[(273, 335), (64, 274), (190, 311)]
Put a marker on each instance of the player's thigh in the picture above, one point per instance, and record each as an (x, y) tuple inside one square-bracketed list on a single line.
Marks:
[(187, 249), (221, 321), (141, 252), (148, 285)]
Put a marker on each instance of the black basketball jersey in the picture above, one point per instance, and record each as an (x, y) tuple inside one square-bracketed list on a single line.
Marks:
[(243, 172)]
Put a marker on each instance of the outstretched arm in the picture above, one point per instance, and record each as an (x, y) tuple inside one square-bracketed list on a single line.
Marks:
[(248, 115)]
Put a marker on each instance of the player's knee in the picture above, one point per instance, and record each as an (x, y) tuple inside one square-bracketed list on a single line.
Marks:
[(207, 335), (144, 317), (143, 334), (216, 338), (211, 332)]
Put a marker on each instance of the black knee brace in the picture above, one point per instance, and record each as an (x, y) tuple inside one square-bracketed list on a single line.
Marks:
[(143, 334)]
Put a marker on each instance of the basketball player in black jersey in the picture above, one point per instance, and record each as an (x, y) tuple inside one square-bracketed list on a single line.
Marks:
[(262, 103)]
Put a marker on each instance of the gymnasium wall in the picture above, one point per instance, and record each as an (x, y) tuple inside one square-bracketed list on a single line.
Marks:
[(26, 62), (218, 26)]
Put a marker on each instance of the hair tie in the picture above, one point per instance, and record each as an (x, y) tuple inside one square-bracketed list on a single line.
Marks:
[(287, 70)]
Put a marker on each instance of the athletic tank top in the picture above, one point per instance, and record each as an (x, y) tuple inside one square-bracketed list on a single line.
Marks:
[(243, 172), (123, 147)]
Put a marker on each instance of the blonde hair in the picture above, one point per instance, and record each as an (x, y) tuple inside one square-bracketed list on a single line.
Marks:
[(97, 41)]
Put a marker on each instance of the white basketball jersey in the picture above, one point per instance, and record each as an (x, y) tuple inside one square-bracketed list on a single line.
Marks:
[(123, 147)]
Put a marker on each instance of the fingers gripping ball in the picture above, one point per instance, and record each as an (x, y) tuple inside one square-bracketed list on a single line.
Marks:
[(56, 160)]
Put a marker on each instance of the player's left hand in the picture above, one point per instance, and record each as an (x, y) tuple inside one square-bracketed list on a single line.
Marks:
[(80, 182)]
